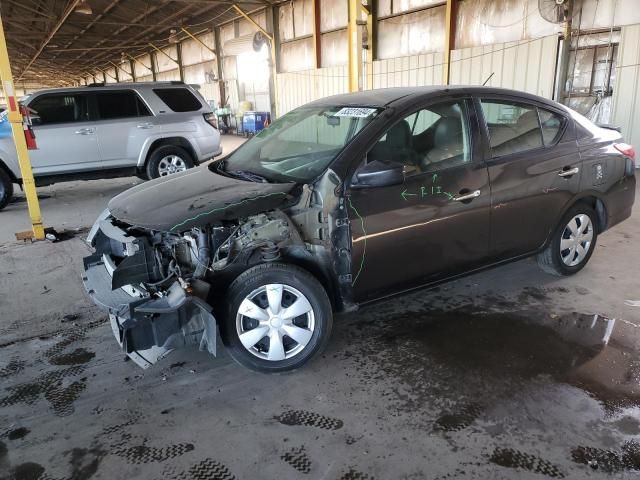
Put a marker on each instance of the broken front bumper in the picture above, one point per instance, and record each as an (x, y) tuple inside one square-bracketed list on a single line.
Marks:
[(147, 328)]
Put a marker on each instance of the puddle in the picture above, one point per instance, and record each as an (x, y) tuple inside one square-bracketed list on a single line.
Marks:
[(77, 357), (18, 433), (436, 359)]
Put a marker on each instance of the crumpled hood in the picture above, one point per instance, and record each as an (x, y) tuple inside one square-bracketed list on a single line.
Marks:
[(196, 197)]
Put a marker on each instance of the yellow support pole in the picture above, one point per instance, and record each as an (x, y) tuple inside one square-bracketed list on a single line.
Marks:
[(15, 118), (272, 51), (354, 39)]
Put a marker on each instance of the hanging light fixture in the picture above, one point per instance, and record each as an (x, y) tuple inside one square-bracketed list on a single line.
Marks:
[(84, 8), (173, 36), (123, 58)]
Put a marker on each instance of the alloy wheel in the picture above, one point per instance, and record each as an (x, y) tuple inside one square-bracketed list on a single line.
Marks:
[(576, 239), (171, 164), (275, 322)]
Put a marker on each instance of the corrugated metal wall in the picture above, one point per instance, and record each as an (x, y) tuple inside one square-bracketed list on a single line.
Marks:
[(413, 71), (298, 88), (626, 100), (526, 65)]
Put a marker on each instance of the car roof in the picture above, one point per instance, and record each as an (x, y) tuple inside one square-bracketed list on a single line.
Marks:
[(399, 96)]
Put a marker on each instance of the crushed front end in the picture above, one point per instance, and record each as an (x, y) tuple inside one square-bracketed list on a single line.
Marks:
[(153, 286)]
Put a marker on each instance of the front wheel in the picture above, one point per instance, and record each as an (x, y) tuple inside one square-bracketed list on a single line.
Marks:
[(6, 189), (168, 160), (279, 317), (573, 242)]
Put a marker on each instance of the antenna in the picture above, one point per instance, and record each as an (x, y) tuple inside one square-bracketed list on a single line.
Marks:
[(488, 78)]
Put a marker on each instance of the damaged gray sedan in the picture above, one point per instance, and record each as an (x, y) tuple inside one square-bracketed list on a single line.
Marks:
[(347, 200)]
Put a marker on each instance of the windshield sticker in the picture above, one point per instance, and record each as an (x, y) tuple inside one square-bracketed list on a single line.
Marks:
[(356, 112)]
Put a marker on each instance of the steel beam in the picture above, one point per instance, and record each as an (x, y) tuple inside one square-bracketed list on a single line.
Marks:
[(449, 39), (317, 43), (53, 31)]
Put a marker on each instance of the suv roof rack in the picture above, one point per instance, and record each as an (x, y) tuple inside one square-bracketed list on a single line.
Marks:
[(166, 82)]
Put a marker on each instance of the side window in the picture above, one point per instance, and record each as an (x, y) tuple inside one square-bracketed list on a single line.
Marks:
[(513, 127), (59, 108), (428, 140), (178, 99), (552, 126), (113, 105)]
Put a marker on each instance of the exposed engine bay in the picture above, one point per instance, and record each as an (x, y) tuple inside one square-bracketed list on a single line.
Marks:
[(158, 285)]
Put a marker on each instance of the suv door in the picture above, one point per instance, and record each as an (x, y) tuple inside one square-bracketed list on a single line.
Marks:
[(433, 224), (65, 134), (124, 123), (534, 168)]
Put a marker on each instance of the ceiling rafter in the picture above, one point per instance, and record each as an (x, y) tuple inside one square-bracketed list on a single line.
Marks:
[(53, 31)]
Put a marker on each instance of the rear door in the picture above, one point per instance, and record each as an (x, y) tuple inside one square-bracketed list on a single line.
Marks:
[(123, 123), (65, 134), (436, 222), (534, 169)]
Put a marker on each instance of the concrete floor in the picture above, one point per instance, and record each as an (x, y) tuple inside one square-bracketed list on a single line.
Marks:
[(500, 375)]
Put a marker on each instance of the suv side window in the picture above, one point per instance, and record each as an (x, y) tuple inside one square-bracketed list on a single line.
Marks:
[(124, 104), (178, 99), (59, 108), (513, 127), (428, 140)]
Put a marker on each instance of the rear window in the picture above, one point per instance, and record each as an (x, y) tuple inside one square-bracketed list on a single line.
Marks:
[(178, 99), (120, 105)]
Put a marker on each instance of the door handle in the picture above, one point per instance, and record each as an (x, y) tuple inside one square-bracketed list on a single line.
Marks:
[(85, 131), (568, 173), (145, 126), (467, 196)]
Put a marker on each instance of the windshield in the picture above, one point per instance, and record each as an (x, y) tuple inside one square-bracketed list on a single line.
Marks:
[(299, 146)]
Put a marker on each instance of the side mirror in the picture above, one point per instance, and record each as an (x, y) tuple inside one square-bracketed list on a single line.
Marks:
[(379, 174)]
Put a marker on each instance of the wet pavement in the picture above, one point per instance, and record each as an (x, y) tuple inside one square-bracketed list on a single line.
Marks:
[(505, 374)]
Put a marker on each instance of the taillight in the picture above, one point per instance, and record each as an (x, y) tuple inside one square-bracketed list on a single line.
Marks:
[(211, 119), (627, 150)]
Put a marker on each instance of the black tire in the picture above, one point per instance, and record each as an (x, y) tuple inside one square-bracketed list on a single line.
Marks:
[(551, 258), (6, 189), (160, 153), (291, 277)]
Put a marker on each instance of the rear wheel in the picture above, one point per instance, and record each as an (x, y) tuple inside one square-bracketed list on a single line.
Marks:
[(168, 160), (573, 242), (279, 317), (6, 189)]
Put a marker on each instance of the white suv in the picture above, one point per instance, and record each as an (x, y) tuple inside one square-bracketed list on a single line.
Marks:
[(102, 131)]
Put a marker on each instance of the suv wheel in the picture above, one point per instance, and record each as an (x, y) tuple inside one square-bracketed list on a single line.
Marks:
[(573, 242), (6, 189), (279, 317), (167, 160)]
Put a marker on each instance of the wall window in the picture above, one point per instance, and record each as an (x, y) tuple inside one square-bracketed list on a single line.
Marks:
[(592, 74), (428, 140), (62, 108), (513, 127)]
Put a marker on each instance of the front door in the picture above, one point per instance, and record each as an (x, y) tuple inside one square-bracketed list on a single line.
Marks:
[(65, 134), (436, 222)]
